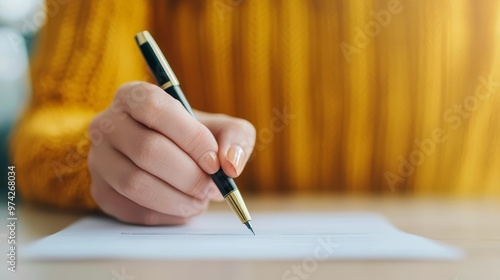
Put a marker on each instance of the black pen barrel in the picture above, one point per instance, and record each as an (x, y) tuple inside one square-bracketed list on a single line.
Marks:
[(223, 182), (154, 64)]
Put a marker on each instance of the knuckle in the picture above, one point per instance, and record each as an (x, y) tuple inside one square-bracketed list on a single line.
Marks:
[(153, 107), (152, 102), (127, 85), (159, 107), (125, 88), (138, 95), (133, 186), (146, 150), (121, 91)]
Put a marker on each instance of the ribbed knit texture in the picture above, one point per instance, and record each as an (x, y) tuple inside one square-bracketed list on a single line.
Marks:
[(353, 119)]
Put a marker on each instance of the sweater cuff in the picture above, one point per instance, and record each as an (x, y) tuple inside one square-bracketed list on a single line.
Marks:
[(49, 150)]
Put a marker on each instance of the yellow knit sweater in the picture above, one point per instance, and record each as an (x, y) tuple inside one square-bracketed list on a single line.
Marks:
[(355, 96)]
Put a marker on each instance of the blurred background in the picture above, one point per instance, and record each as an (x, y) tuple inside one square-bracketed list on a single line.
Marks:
[(18, 28), (368, 96)]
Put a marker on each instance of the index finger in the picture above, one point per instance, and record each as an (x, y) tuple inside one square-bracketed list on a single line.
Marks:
[(154, 108)]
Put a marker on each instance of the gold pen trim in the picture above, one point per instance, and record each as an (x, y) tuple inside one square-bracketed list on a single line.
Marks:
[(167, 85), (144, 37), (236, 203), (141, 39)]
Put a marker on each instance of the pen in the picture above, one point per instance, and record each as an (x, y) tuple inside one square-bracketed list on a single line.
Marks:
[(165, 77)]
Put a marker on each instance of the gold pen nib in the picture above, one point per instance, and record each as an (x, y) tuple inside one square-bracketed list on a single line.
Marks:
[(249, 226)]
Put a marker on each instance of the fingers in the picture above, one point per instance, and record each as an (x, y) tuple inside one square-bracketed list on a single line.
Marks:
[(150, 163), (125, 210), (159, 156), (141, 187), (151, 106), (236, 139)]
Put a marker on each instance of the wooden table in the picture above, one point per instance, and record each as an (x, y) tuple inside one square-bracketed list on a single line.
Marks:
[(472, 224)]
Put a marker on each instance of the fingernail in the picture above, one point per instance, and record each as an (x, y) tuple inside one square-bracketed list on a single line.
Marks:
[(235, 157), (210, 162)]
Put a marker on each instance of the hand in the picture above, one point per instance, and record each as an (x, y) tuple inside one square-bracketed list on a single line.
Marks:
[(150, 159)]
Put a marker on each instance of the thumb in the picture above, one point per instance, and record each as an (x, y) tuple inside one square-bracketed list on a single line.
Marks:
[(235, 137)]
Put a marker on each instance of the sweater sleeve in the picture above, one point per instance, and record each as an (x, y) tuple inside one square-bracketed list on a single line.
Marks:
[(84, 52)]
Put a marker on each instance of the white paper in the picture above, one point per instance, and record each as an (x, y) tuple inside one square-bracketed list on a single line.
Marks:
[(213, 236)]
